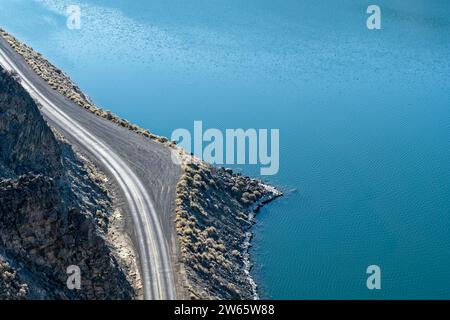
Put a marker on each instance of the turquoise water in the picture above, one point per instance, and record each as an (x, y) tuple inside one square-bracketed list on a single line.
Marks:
[(364, 119)]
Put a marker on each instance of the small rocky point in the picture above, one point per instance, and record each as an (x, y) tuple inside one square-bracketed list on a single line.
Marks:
[(215, 210)]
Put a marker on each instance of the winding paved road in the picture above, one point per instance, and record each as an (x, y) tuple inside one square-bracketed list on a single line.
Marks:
[(142, 170)]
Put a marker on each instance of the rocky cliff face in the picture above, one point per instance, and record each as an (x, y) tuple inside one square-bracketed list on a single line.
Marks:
[(52, 215), (27, 143)]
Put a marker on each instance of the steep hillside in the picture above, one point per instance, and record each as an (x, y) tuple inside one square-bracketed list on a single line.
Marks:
[(52, 215)]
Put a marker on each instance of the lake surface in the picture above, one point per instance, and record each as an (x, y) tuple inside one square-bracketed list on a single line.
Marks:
[(364, 118)]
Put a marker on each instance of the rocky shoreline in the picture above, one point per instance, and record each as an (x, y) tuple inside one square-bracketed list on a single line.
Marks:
[(215, 208), (270, 195), (215, 212)]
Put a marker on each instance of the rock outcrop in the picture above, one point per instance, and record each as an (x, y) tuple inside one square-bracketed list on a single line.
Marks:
[(52, 215), (12, 286)]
